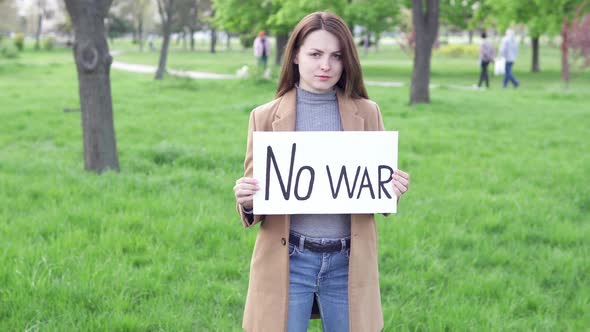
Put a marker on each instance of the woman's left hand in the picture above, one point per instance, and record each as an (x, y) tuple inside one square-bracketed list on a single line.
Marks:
[(401, 182)]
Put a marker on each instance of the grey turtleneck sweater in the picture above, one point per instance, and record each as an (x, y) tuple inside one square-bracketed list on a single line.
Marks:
[(319, 112)]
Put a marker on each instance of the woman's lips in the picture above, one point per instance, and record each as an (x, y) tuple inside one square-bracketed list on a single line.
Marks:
[(323, 78)]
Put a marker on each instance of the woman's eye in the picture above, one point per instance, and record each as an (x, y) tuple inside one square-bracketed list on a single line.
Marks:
[(315, 54), (338, 56)]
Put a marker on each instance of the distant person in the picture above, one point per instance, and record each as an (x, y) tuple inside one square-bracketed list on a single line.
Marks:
[(486, 55), (262, 49), (509, 50), (150, 41)]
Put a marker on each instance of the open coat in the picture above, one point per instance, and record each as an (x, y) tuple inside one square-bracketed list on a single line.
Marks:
[(267, 302)]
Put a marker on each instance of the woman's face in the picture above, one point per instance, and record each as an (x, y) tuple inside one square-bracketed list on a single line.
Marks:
[(320, 62)]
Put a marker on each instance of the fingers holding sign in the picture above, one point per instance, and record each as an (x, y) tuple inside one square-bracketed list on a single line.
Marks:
[(244, 190), (401, 182)]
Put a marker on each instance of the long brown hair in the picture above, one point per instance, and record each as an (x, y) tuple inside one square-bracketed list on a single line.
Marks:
[(351, 81)]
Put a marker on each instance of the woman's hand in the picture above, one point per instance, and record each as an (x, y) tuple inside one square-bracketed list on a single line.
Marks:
[(244, 190), (401, 182)]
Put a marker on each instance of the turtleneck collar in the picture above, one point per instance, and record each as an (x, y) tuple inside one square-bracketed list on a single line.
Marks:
[(308, 96)]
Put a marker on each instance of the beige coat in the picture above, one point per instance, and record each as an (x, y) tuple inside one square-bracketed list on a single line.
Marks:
[(268, 291)]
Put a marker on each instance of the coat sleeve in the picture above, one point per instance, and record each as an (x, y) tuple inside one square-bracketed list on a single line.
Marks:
[(249, 219)]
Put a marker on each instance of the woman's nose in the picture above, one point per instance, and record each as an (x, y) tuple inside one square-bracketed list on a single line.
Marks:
[(325, 64)]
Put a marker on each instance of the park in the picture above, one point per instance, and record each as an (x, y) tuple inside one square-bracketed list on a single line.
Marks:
[(492, 236)]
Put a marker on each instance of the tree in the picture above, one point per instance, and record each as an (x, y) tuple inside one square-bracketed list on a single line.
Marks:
[(425, 19), (136, 12), (376, 16), (574, 34), (41, 12), (188, 19), (93, 63), (459, 14), (166, 10), (580, 38)]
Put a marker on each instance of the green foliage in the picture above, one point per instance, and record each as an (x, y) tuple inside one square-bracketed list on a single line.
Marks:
[(458, 13), (280, 16), (540, 16), (19, 41), (118, 26), (376, 15), (457, 50), (48, 43), (8, 51)]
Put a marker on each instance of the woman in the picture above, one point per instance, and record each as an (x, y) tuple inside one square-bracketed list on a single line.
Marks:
[(299, 259), (486, 55)]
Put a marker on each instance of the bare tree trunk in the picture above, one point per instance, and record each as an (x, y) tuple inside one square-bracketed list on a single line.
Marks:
[(535, 63), (93, 63), (470, 36), (39, 27), (565, 64), (228, 41), (426, 27), (140, 32), (282, 39), (165, 8), (163, 52), (213, 39), (192, 38)]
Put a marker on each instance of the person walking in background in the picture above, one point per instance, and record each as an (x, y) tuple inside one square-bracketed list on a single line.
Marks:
[(262, 49), (486, 55), (509, 50), (329, 259)]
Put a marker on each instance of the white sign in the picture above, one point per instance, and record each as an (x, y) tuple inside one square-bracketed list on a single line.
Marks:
[(325, 172)]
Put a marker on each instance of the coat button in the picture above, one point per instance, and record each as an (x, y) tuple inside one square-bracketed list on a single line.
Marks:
[(283, 241)]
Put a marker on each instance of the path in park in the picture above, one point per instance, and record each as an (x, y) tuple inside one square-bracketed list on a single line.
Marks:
[(145, 69)]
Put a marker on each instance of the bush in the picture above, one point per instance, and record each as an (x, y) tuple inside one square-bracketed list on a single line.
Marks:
[(19, 41), (48, 43), (459, 50), (8, 51)]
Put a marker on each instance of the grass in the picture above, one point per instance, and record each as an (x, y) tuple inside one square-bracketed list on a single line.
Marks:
[(492, 236)]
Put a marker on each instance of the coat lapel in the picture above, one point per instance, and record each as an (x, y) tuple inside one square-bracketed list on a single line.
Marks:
[(286, 113), (285, 116), (348, 110)]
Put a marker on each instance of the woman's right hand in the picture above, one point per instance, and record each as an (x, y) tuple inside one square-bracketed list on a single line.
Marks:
[(244, 190)]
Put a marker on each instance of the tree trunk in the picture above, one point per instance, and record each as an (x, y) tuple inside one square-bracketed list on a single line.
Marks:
[(470, 37), (426, 27), (565, 64), (163, 51), (192, 38), (93, 63), (535, 63), (140, 33), (39, 27), (228, 41), (282, 39), (213, 39)]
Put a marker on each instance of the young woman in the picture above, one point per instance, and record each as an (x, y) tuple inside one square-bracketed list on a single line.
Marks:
[(326, 258)]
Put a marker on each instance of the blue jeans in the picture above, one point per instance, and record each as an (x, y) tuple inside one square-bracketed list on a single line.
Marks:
[(508, 76), (324, 275)]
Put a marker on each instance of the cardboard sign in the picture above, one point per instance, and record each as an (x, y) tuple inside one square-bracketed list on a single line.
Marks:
[(325, 172)]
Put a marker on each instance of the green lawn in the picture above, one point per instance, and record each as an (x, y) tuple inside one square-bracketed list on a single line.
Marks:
[(493, 235)]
